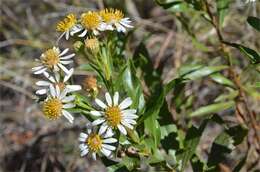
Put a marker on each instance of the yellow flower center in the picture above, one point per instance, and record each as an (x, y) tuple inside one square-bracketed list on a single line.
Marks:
[(52, 108), (94, 142), (50, 58), (92, 44), (113, 116), (90, 20), (67, 23), (111, 15)]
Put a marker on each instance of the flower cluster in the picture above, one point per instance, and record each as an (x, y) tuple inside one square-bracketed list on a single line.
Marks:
[(52, 66), (108, 119), (93, 22)]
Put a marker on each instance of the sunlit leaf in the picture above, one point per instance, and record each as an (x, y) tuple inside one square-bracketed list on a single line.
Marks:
[(213, 108)]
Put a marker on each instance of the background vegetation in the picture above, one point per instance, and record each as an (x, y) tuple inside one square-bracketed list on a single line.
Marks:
[(209, 47)]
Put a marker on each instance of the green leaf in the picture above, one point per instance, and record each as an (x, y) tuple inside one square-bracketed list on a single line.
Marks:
[(217, 77), (257, 84), (222, 9), (227, 96), (167, 5), (205, 71), (254, 22), (133, 86), (213, 108), (190, 144), (130, 162), (252, 55)]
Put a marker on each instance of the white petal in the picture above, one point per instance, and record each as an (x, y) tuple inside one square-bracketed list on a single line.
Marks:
[(130, 116), (95, 113), (37, 68), (119, 27), (64, 52), (67, 34), (67, 57), (72, 88), (83, 135), (98, 121), (94, 156), (127, 125), (83, 146), (106, 152), (68, 116), (69, 105), (110, 140), (109, 147), (126, 24), (95, 32), (66, 62), (43, 83), (68, 99), (109, 133), (129, 111), (52, 91), (116, 98), (81, 139), (108, 99), (100, 103), (102, 129), (63, 94), (130, 121), (67, 77), (40, 71), (122, 129), (41, 92), (63, 68), (125, 103), (83, 33), (57, 88), (84, 152)]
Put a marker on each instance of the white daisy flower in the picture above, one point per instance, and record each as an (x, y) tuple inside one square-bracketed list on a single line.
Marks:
[(94, 143), (68, 26), (57, 104), (90, 22), (53, 59), (114, 19), (56, 81), (113, 115)]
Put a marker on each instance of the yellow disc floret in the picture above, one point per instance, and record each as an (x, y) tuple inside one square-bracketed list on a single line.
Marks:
[(52, 108), (113, 116), (90, 20), (50, 58), (92, 44), (94, 142), (67, 23), (111, 15)]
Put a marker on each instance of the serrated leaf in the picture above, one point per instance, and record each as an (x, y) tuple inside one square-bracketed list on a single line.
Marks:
[(254, 22), (213, 108)]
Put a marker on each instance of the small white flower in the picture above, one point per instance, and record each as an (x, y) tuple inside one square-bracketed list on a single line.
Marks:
[(114, 19), (113, 115), (53, 60), (68, 26), (56, 80), (94, 143), (57, 104)]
